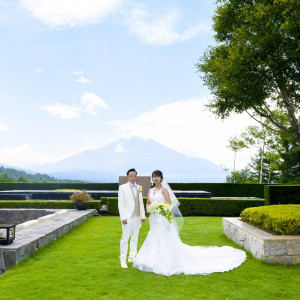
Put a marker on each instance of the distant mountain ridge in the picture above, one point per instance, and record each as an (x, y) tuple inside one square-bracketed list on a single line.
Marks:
[(10, 174), (107, 163)]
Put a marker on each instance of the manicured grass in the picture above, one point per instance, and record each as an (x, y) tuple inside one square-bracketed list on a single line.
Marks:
[(85, 265)]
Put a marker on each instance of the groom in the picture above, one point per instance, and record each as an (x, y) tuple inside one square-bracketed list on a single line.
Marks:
[(132, 213)]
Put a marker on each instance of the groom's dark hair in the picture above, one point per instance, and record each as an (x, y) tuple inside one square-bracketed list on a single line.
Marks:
[(131, 170)]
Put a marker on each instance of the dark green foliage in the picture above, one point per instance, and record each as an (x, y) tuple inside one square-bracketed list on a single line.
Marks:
[(216, 189), (60, 185), (60, 204), (14, 175), (254, 65), (216, 207), (276, 219), (223, 189), (282, 194), (241, 176), (290, 166), (201, 207)]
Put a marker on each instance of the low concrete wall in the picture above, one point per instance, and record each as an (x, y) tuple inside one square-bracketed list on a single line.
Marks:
[(18, 216), (29, 240), (281, 249)]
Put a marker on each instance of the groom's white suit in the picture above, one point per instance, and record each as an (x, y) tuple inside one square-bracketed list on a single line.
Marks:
[(131, 208)]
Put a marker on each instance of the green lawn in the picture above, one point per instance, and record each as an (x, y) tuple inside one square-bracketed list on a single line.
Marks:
[(85, 265)]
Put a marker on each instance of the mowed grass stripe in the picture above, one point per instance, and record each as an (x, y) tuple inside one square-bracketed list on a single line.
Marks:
[(84, 264)]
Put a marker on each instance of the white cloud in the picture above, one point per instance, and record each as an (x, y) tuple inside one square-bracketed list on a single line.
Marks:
[(188, 127), (24, 156), (3, 127), (62, 111), (90, 104), (70, 12), (162, 30), (81, 78)]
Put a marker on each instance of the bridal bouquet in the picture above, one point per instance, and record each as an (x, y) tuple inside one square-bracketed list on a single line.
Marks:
[(163, 209)]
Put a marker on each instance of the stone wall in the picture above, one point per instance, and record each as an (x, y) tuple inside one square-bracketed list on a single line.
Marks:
[(18, 216), (284, 249)]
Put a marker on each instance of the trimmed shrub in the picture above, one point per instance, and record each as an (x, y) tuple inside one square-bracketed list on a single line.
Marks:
[(216, 207), (216, 189), (61, 204), (60, 185), (201, 207), (276, 219), (282, 194), (223, 189)]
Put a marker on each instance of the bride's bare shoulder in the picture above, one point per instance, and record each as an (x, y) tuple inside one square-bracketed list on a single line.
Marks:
[(165, 190)]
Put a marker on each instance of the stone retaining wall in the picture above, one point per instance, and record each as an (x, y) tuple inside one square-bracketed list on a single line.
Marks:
[(281, 249), (29, 240), (18, 216)]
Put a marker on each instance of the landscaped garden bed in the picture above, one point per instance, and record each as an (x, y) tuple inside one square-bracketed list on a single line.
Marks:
[(279, 219)]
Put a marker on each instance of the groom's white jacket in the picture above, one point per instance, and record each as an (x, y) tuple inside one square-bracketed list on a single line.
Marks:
[(126, 202)]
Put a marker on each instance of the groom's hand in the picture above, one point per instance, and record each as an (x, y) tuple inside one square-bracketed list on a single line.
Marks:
[(143, 220), (124, 222)]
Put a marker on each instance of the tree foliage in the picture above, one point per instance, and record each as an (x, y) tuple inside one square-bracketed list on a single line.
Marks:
[(14, 175), (255, 66)]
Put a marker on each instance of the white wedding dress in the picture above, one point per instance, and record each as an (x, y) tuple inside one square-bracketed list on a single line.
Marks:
[(164, 253)]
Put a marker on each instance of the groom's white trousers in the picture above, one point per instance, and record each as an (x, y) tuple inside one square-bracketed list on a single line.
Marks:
[(131, 229)]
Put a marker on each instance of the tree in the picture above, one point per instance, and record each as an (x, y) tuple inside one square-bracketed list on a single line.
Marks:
[(264, 140), (23, 178), (235, 145), (255, 65), (242, 176), (290, 166), (5, 177)]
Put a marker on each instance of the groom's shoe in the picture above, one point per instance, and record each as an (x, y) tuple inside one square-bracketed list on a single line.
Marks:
[(123, 263)]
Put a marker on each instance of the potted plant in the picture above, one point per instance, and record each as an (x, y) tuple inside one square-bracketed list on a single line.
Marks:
[(81, 199)]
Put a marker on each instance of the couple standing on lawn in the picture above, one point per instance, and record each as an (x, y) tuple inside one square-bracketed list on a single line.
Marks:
[(163, 251)]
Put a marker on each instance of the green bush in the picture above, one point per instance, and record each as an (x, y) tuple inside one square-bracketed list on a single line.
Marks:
[(282, 194), (60, 185), (223, 189), (216, 189), (61, 204), (201, 207), (276, 219)]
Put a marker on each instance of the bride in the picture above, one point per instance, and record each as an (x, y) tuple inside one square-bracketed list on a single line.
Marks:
[(163, 251)]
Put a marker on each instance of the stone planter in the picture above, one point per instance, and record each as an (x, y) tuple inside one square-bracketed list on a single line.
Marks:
[(82, 206), (281, 249)]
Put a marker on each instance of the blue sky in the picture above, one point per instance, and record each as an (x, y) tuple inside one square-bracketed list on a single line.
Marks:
[(78, 74)]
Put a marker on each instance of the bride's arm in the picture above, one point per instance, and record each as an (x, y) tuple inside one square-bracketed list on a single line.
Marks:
[(166, 195), (148, 201)]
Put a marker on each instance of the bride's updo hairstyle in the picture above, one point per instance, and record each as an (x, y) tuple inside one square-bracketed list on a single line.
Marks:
[(158, 174)]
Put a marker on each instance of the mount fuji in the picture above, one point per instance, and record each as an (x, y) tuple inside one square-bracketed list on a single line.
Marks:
[(107, 163)]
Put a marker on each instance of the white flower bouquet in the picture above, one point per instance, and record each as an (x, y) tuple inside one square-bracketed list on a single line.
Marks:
[(163, 209)]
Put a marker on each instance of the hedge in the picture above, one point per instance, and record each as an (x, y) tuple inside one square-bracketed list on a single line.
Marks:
[(282, 194), (61, 204), (216, 189), (223, 189), (201, 206), (54, 186), (276, 219)]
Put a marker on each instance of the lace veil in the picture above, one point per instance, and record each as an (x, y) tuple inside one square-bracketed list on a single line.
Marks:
[(175, 203)]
